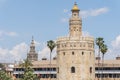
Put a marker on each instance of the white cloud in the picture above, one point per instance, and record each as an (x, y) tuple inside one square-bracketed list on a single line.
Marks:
[(94, 12), (116, 43), (85, 33), (15, 54), (45, 53), (11, 33), (3, 51), (114, 51), (5, 33), (99, 11), (19, 51), (86, 13), (37, 43)]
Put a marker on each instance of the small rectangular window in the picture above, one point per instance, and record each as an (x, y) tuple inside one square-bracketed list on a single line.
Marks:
[(58, 70), (63, 53)]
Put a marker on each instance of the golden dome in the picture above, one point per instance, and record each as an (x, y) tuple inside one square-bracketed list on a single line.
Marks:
[(75, 7)]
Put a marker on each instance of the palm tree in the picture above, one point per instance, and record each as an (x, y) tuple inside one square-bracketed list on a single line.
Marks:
[(99, 42), (103, 51), (51, 45)]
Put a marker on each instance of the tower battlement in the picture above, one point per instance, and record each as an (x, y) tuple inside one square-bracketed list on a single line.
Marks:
[(81, 38)]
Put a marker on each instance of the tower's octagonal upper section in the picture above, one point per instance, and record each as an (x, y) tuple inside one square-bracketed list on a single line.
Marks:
[(75, 30)]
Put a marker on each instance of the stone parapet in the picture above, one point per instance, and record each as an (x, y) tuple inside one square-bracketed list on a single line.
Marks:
[(83, 43), (81, 38)]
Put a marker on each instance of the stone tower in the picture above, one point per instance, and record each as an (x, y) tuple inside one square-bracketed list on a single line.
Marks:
[(32, 55), (75, 53)]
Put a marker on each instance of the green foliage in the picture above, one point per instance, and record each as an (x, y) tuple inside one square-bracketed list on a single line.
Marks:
[(26, 64), (99, 41), (2, 66), (28, 74), (103, 49), (4, 76), (51, 45), (28, 71)]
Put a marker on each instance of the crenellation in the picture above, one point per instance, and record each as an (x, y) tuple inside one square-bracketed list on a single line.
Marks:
[(81, 38), (75, 45)]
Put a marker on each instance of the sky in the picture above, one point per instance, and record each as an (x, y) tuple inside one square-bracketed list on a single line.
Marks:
[(48, 20)]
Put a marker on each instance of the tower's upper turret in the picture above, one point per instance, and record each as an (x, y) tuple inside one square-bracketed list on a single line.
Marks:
[(75, 8), (75, 23)]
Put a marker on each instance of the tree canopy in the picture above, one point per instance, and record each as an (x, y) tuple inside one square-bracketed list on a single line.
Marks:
[(4, 76)]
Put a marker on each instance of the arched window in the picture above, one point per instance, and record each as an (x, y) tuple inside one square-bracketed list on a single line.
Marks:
[(72, 53), (82, 53), (90, 69), (72, 69), (63, 53)]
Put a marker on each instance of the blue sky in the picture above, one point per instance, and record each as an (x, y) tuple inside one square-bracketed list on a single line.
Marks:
[(46, 20)]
